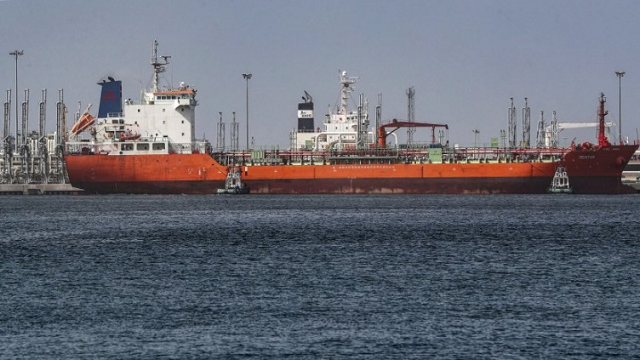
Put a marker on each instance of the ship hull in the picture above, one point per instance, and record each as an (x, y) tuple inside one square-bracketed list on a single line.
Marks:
[(594, 172), (146, 174), (152, 187), (538, 185)]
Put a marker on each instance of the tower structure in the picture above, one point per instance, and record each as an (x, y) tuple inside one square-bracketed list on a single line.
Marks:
[(526, 125), (512, 125), (411, 113)]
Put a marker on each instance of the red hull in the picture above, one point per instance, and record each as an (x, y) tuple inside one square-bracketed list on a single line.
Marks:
[(538, 185), (591, 172)]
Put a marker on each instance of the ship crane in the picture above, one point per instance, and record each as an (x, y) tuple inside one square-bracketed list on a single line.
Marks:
[(552, 131), (552, 135), (396, 124)]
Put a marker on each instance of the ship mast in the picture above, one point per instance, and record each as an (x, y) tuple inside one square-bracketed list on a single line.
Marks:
[(602, 139), (158, 67), (345, 90)]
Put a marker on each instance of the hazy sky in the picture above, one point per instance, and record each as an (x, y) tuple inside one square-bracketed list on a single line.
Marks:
[(465, 59)]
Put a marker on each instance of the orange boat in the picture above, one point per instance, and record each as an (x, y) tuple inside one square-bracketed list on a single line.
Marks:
[(83, 123), (344, 158), (129, 136)]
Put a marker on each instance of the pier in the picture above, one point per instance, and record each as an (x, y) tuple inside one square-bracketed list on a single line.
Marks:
[(39, 189)]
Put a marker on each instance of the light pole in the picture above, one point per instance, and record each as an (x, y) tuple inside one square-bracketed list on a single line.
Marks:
[(620, 74), (475, 137), (247, 76), (475, 142), (16, 53)]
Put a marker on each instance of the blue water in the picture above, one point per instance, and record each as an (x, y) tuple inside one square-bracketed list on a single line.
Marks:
[(309, 277)]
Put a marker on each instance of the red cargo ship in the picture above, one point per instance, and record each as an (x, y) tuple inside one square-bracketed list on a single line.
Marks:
[(150, 148)]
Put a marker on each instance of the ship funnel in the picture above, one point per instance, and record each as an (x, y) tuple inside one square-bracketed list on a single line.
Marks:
[(110, 98), (305, 114)]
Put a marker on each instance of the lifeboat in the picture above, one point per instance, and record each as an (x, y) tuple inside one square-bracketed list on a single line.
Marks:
[(83, 122), (126, 137)]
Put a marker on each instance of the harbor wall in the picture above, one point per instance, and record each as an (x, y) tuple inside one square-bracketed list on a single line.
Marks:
[(39, 189)]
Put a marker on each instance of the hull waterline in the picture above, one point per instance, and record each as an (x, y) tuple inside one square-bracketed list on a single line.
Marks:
[(595, 172)]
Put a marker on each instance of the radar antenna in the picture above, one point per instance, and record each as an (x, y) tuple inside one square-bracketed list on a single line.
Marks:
[(158, 67), (307, 98), (346, 82)]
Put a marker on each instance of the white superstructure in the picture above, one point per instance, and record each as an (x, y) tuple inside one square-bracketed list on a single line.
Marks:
[(169, 113), (162, 121), (340, 129)]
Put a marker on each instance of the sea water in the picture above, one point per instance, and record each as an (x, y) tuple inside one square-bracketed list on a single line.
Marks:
[(317, 277)]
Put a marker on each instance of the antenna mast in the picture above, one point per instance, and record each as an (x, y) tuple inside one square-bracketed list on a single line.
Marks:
[(602, 139), (345, 90), (158, 67)]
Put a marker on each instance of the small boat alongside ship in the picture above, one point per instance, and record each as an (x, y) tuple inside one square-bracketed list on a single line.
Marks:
[(149, 147), (631, 173), (560, 182), (234, 185)]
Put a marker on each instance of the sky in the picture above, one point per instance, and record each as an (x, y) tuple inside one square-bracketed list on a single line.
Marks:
[(464, 59)]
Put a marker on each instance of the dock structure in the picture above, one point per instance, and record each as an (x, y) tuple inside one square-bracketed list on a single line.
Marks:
[(632, 177), (39, 189), (31, 161)]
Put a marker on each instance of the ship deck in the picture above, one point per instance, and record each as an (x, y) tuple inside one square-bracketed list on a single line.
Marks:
[(387, 156)]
